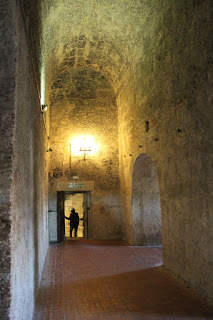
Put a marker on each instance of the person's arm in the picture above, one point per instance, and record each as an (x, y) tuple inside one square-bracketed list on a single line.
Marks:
[(66, 218)]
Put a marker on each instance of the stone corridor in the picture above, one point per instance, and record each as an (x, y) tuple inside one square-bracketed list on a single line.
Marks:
[(91, 280)]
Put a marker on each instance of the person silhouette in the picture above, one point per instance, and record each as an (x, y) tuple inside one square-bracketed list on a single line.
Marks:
[(74, 221)]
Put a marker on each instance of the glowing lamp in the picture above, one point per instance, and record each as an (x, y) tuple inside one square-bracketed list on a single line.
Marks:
[(84, 144), (44, 107)]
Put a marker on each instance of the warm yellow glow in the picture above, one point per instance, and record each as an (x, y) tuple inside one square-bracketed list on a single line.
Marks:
[(79, 144), (44, 107), (43, 80)]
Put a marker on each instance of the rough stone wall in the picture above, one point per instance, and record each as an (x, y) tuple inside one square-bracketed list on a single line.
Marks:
[(172, 90), (146, 206), (32, 16), (7, 121), (23, 217), (29, 229), (157, 56), (82, 103)]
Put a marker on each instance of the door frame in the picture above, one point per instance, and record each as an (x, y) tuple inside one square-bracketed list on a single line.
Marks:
[(60, 217), (60, 214)]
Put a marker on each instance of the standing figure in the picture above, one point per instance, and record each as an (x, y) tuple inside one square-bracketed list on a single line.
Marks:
[(74, 222)]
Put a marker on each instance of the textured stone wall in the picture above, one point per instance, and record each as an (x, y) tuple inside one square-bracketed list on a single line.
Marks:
[(158, 58), (82, 103), (52, 226), (7, 122), (29, 228), (23, 181), (146, 206), (173, 92)]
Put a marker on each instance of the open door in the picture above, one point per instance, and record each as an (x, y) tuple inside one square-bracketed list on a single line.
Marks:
[(85, 216), (60, 216)]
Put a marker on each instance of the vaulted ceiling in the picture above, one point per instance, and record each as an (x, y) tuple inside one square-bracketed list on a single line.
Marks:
[(106, 36)]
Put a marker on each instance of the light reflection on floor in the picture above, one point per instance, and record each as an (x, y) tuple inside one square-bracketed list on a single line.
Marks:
[(109, 280)]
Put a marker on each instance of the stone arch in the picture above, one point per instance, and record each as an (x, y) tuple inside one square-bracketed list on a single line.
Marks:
[(146, 206)]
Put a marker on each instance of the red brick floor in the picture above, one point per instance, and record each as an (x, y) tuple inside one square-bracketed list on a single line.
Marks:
[(89, 280)]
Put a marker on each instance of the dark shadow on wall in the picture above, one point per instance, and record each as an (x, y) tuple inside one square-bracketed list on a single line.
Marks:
[(35, 235)]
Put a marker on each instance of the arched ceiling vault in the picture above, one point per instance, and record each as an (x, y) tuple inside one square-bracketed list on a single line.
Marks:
[(100, 35)]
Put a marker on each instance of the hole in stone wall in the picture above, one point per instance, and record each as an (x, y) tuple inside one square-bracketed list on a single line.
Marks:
[(147, 126)]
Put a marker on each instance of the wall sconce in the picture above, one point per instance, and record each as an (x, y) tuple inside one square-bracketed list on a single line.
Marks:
[(43, 108), (83, 145), (84, 150)]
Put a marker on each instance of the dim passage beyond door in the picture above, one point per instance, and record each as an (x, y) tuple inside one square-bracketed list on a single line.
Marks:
[(76, 201)]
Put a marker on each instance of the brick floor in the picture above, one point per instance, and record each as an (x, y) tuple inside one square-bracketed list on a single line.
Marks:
[(89, 280)]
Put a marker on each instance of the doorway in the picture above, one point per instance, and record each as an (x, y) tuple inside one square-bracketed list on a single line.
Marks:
[(76, 201), (66, 201)]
